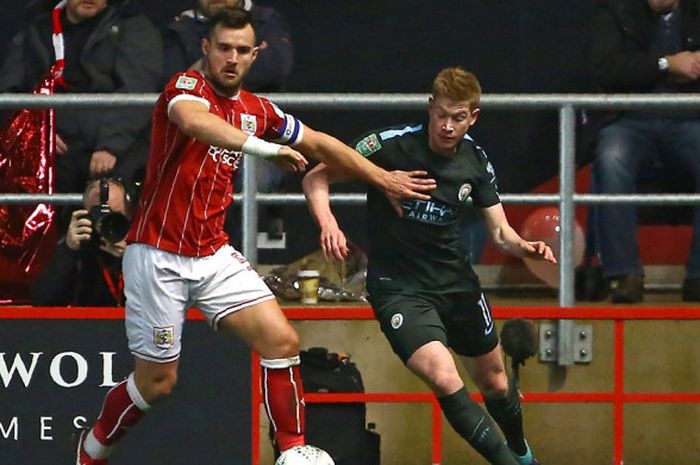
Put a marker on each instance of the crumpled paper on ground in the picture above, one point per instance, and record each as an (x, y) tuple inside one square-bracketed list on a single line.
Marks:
[(339, 282)]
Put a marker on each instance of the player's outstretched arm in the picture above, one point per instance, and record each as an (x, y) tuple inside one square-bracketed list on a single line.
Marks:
[(195, 120), (509, 242), (316, 184), (396, 185)]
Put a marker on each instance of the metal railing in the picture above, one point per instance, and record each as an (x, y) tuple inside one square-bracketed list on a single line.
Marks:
[(618, 397), (565, 104)]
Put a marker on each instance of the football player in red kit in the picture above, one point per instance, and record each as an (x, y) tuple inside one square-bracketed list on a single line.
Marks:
[(178, 254)]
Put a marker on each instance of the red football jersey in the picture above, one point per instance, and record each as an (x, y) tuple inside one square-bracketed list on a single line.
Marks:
[(189, 184)]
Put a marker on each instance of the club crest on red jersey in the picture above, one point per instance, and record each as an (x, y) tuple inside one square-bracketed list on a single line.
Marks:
[(249, 124)]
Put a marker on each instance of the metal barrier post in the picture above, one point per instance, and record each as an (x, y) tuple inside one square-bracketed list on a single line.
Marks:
[(437, 432), (567, 183), (619, 394), (249, 225), (255, 401)]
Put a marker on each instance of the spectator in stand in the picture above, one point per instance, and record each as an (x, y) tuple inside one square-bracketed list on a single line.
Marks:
[(86, 269), (644, 46), (107, 47), (182, 41)]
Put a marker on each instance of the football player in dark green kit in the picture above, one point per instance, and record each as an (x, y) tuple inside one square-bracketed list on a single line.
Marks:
[(422, 288)]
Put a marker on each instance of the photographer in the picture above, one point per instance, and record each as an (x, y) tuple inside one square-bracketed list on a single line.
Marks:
[(86, 269)]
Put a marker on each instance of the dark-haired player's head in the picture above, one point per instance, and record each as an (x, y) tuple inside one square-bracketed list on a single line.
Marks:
[(230, 49)]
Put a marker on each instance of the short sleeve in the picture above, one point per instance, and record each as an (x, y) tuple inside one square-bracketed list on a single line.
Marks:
[(485, 194), (186, 86)]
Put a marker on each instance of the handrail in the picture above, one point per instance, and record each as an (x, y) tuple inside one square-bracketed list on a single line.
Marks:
[(358, 199), (374, 101), (513, 199), (565, 104)]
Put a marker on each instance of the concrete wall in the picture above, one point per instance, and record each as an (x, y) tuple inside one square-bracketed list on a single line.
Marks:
[(660, 357)]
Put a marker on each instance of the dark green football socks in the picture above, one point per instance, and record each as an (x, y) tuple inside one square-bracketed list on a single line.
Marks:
[(507, 413), (471, 422)]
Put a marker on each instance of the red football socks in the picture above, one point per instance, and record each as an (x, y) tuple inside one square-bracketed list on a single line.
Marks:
[(123, 407), (283, 395)]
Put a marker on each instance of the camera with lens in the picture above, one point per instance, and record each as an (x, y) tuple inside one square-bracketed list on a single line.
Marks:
[(110, 225)]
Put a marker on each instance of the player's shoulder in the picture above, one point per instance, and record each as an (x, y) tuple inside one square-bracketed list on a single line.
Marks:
[(247, 97), (191, 86), (476, 152), (400, 131), (377, 139), (256, 103), (470, 145), (187, 81)]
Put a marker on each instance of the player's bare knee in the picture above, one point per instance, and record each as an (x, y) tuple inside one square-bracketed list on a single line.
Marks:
[(167, 384), (444, 381), (282, 344), (289, 346)]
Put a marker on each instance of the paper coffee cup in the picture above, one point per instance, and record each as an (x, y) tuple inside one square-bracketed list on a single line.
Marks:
[(308, 283)]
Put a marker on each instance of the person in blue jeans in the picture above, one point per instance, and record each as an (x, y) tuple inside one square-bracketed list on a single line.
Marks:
[(644, 46)]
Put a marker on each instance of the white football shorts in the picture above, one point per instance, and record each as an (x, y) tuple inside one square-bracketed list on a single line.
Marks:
[(160, 286)]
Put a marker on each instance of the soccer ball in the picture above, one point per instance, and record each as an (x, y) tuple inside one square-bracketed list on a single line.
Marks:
[(304, 455)]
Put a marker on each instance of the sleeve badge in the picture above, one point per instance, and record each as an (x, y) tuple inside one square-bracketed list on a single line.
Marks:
[(368, 145), (186, 83)]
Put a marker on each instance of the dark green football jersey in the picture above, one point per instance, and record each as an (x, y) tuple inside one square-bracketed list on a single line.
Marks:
[(422, 249)]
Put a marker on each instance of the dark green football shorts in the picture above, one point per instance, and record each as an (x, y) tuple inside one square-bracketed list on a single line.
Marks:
[(461, 321)]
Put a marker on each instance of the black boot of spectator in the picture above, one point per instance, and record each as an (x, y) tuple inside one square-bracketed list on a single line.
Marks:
[(626, 289), (691, 290), (590, 285)]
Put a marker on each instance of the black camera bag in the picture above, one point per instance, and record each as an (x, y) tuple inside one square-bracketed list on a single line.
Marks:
[(338, 428)]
